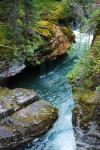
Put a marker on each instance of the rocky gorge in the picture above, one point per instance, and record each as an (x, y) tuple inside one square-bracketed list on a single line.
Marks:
[(27, 43)]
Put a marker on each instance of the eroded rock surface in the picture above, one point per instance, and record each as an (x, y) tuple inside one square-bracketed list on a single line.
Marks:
[(13, 100), (86, 124), (59, 39), (23, 117), (11, 70)]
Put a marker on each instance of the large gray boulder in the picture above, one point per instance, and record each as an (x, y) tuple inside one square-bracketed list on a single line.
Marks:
[(23, 117), (13, 100)]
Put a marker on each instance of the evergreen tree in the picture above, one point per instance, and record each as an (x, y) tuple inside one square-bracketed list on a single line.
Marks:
[(13, 14), (30, 16)]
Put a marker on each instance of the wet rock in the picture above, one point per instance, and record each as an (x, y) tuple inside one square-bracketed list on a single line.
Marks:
[(25, 97), (23, 116), (26, 123), (13, 100), (11, 70), (4, 110), (86, 125)]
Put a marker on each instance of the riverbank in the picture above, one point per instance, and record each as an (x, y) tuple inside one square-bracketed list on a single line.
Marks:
[(85, 80)]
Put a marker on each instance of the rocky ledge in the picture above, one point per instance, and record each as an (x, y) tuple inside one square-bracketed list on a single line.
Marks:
[(23, 116), (53, 41)]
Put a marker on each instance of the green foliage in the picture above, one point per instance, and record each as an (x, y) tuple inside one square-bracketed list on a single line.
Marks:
[(20, 32), (86, 72), (95, 20), (80, 69), (54, 10), (80, 11), (98, 88), (31, 47)]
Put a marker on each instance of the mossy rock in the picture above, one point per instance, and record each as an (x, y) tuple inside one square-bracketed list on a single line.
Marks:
[(44, 28), (86, 103), (26, 124), (68, 32), (13, 100), (23, 116), (86, 96)]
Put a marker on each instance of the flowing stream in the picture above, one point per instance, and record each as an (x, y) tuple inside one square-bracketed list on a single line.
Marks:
[(53, 87)]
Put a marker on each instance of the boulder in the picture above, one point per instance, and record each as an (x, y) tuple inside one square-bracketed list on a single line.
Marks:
[(23, 117), (13, 100), (58, 39), (26, 124)]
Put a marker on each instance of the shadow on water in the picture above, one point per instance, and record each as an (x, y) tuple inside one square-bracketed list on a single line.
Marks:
[(40, 71), (49, 81)]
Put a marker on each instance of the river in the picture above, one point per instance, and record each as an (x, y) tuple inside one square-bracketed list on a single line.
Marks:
[(52, 85)]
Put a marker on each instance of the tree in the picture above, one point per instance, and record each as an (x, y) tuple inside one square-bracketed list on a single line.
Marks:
[(12, 12), (30, 16)]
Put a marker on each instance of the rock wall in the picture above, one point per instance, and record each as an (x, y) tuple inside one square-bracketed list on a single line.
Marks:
[(86, 125), (86, 114)]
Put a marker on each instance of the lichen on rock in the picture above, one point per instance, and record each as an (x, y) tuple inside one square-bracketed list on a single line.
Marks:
[(59, 41), (23, 116)]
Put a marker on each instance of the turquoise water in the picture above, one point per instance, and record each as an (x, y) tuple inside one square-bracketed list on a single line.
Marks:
[(53, 87)]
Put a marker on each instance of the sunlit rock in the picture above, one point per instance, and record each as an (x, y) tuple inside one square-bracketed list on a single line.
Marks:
[(59, 39)]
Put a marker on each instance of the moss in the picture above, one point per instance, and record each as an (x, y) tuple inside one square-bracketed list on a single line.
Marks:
[(86, 72), (84, 109), (36, 118), (68, 32), (88, 113), (5, 34), (44, 28), (43, 32), (3, 92), (84, 96)]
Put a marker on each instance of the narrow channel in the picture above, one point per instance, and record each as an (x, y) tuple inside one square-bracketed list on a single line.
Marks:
[(53, 87)]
